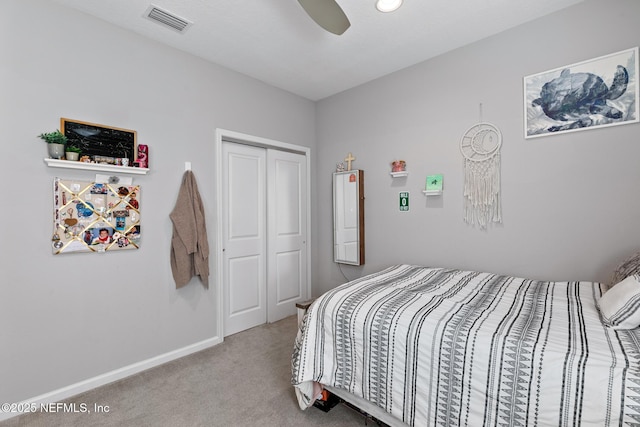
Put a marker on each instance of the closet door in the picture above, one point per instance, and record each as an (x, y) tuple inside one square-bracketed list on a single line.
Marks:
[(244, 236), (287, 240)]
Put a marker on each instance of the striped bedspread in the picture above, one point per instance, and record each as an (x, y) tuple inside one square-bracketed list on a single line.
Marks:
[(447, 347)]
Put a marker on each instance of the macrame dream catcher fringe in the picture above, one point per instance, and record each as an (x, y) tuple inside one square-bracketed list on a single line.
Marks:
[(480, 147)]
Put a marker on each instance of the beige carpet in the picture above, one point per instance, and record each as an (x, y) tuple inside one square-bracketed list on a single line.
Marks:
[(244, 381)]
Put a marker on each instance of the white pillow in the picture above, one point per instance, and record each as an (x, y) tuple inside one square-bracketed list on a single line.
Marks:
[(620, 305), (626, 268)]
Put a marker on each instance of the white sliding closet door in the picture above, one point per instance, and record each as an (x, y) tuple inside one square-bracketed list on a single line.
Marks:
[(264, 236), (287, 225), (244, 237)]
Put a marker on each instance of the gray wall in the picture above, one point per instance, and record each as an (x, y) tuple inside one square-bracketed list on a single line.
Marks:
[(570, 202), (68, 318)]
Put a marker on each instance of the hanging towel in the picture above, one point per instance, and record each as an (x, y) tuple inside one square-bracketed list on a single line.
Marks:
[(189, 245)]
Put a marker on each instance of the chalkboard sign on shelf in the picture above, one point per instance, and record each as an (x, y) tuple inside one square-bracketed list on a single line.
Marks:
[(102, 142)]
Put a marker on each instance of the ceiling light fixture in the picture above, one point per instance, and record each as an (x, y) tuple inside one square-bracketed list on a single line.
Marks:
[(388, 5)]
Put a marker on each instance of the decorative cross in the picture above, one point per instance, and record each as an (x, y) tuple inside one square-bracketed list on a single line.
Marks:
[(349, 159)]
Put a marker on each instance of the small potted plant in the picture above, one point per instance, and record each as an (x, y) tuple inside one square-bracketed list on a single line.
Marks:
[(72, 152), (56, 141)]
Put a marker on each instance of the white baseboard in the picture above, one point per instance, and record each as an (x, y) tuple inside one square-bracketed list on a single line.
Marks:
[(109, 377)]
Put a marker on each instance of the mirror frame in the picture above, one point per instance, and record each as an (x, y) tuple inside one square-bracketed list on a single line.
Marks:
[(356, 176)]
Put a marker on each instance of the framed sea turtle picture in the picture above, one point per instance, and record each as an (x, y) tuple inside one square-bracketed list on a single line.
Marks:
[(590, 94)]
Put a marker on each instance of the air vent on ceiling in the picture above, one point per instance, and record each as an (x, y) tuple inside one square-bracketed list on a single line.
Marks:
[(167, 18)]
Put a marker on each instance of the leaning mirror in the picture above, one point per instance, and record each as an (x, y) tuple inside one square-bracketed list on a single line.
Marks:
[(348, 217)]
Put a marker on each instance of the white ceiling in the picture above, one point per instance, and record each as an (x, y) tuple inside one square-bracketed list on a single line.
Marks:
[(276, 42)]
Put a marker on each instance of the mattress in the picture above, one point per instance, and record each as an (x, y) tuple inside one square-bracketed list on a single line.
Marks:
[(435, 346)]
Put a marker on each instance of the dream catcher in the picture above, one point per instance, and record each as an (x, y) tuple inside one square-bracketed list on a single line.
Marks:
[(480, 147)]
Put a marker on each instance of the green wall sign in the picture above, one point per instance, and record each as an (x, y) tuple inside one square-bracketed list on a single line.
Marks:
[(404, 201)]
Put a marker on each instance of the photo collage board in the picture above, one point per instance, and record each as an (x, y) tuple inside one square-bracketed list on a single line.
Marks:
[(95, 217)]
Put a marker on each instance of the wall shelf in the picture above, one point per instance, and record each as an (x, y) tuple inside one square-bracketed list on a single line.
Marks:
[(399, 174), (67, 164), (432, 192)]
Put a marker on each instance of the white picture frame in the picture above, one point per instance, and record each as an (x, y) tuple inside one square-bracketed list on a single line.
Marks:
[(581, 96)]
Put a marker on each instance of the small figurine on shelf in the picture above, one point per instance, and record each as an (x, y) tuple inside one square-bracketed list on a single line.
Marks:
[(143, 156), (398, 166), (340, 167)]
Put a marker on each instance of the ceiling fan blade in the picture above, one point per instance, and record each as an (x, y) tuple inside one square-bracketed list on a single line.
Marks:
[(328, 14)]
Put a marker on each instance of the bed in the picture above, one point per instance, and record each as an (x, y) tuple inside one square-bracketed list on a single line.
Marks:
[(423, 346)]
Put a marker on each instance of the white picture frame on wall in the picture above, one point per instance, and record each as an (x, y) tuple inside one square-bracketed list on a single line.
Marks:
[(586, 95)]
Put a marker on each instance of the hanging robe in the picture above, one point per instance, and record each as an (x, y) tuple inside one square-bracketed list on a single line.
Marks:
[(189, 245)]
